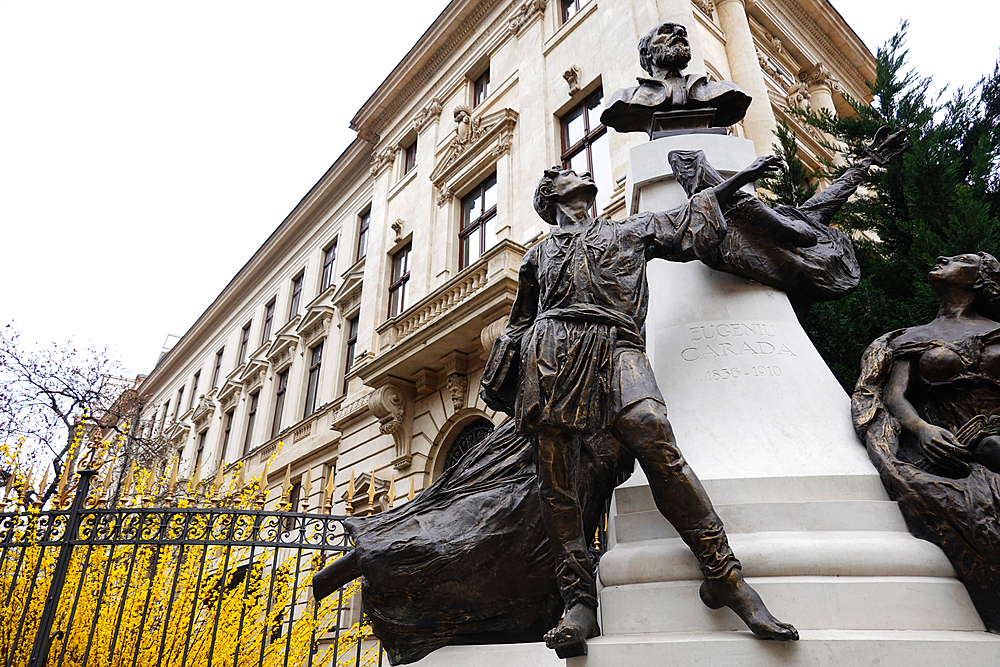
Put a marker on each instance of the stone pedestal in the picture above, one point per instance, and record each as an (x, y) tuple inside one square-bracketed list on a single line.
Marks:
[(767, 428)]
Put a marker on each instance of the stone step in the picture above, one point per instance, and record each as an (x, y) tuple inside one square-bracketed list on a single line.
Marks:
[(492, 655), (816, 648), (782, 554), (829, 515), (808, 603), (634, 495)]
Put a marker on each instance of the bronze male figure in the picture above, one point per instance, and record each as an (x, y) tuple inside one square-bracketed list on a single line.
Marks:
[(572, 362)]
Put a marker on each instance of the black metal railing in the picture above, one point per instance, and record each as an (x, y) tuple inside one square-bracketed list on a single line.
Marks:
[(173, 587)]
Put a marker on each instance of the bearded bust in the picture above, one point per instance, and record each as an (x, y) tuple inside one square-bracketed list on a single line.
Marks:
[(663, 52)]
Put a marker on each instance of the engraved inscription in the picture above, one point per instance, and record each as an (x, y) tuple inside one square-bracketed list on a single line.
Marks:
[(744, 343)]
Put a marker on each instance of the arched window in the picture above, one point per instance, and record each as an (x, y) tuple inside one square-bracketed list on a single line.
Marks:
[(470, 436)]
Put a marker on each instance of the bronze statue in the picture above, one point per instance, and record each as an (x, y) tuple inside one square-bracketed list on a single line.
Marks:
[(791, 248), (663, 52), (927, 405), (495, 550), (576, 347)]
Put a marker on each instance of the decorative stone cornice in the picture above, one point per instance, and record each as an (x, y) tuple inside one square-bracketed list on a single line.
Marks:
[(392, 406), (432, 111), (203, 412), (528, 11), (349, 413), (490, 135), (315, 324), (348, 296), (383, 159), (706, 6)]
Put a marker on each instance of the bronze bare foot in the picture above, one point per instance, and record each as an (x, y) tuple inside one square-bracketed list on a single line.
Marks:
[(735, 593), (569, 638)]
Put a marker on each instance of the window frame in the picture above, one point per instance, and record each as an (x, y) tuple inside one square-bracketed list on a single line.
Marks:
[(590, 136), (485, 216), (481, 88), (312, 378), (566, 5), (244, 342), (218, 367), (353, 324), (364, 223), (295, 300), (194, 387), (180, 398), (410, 157), (251, 420), (227, 429), (397, 283), (265, 332), (329, 260), (279, 402)]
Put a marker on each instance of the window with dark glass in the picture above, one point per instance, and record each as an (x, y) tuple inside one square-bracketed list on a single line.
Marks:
[(312, 386), (194, 389), (397, 283), (279, 403), (410, 157), (218, 368), (180, 399), (329, 257), (479, 211), (481, 88), (265, 333), (251, 418), (293, 307), (352, 346), (585, 146), (244, 343), (163, 417), (570, 8), (364, 220), (227, 430), (201, 449), (294, 497)]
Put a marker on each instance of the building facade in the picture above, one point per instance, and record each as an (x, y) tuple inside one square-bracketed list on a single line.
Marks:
[(357, 333)]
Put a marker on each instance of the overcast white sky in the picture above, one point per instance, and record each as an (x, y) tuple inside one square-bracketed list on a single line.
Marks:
[(148, 149)]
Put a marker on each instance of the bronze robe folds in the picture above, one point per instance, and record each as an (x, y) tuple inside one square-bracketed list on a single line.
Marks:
[(577, 321)]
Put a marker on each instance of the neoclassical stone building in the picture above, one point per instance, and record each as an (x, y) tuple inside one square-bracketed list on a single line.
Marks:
[(357, 333)]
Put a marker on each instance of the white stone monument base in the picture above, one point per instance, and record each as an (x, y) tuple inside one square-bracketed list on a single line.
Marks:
[(767, 428)]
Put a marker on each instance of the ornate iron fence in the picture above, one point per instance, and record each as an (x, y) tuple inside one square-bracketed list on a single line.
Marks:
[(173, 587)]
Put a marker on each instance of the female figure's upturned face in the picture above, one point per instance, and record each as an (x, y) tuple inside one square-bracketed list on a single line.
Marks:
[(957, 270)]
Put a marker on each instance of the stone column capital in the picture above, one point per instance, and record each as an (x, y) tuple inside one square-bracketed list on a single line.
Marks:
[(721, 3)]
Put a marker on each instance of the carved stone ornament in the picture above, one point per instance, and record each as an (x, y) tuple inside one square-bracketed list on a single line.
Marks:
[(464, 127), (445, 196), (766, 65), (397, 229), (818, 76), (383, 160), (475, 137), (491, 332), (706, 6), (524, 14), (388, 403), (572, 76), (458, 387), (797, 96), (427, 114)]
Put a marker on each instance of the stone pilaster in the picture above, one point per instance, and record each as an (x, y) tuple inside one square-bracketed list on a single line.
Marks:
[(745, 70)]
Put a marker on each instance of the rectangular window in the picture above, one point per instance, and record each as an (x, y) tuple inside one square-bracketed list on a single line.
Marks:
[(227, 430), (364, 220), (218, 368), (479, 211), (397, 284), (201, 450), (279, 403), (180, 399), (585, 146), (244, 342), (294, 497), (570, 8), (163, 417), (251, 418), (194, 389), (352, 346), (329, 257), (293, 307), (481, 88), (265, 334), (312, 388), (410, 157)]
